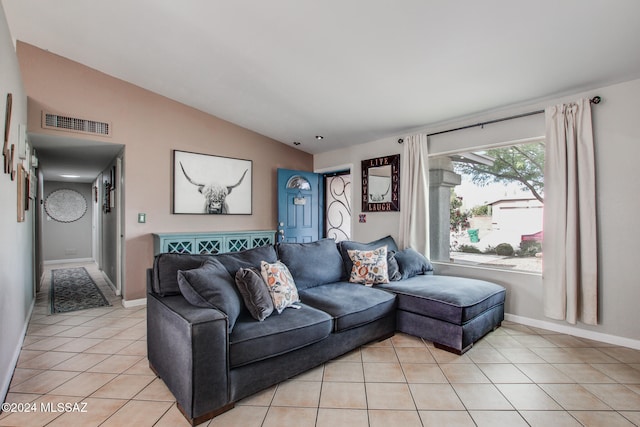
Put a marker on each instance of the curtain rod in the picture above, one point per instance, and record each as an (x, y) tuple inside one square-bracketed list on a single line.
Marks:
[(594, 100)]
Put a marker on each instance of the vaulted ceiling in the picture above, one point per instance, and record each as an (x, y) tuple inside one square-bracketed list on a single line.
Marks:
[(350, 70)]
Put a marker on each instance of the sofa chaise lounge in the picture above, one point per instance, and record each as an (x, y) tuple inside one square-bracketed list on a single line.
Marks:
[(210, 350)]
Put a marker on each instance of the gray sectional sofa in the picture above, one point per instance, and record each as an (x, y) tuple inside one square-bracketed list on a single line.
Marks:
[(211, 352)]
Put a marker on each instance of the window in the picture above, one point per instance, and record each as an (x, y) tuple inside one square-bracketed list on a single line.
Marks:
[(299, 182), (486, 207)]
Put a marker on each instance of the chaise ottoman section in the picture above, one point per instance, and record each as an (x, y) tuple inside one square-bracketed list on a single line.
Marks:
[(453, 312)]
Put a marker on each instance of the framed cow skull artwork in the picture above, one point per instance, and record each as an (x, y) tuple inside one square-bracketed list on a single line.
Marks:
[(211, 185)]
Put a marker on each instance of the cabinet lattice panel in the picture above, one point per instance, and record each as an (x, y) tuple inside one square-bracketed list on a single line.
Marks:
[(261, 241), (235, 245), (209, 246), (179, 247)]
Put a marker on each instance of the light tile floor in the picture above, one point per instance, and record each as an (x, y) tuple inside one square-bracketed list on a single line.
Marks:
[(515, 376)]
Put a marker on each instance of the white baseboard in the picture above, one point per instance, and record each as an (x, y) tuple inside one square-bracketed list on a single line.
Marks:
[(110, 283), (68, 261), (134, 302), (570, 330), (6, 381)]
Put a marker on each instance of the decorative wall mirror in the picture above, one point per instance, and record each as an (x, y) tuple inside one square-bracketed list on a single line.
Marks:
[(381, 184), (65, 205)]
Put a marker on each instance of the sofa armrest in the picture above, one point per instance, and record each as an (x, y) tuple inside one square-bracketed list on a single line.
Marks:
[(187, 347), (149, 280)]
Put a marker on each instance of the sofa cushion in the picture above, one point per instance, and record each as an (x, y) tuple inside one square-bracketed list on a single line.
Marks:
[(412, 263), (350, 305), (234, 261), (165, 271), (369, 266), (252, 341), (452, 299), (347, 245), (312, 264), (165, 266), (255, 293), (211, 286), (281, 286)]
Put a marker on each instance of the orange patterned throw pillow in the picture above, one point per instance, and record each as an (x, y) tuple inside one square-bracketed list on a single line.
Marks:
[(369, 266), (281, 286)]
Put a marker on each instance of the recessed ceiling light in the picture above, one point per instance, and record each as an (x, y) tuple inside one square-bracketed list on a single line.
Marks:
[(319, 137), (69, 176)]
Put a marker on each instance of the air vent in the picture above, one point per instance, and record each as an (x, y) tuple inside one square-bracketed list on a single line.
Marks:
[(74, 124)]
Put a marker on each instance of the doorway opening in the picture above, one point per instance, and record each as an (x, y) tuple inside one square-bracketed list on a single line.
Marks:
[(84, 176), (314, 205), (338, 205)]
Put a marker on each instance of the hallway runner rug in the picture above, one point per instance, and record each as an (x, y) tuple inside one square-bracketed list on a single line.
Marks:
[(73, 289)]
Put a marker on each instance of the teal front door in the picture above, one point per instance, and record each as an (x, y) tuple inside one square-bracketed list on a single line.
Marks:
[(300, 209)]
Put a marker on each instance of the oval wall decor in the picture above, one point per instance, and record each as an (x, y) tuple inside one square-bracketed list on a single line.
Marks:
[(65, 205)]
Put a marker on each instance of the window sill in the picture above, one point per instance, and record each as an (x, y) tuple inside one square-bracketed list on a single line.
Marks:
[(439, 265)]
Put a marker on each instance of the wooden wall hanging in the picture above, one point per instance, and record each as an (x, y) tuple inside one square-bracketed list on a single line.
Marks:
[(6, 153)]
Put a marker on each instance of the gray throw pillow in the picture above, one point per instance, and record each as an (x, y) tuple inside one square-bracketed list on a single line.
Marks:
[(211, 286), (412, 263), (393, 269), (254, 293)]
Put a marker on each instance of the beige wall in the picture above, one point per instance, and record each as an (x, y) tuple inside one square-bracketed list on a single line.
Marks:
[(617, 139), (151, 126)]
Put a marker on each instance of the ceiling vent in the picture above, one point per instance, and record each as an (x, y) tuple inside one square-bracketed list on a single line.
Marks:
[(74, 124)]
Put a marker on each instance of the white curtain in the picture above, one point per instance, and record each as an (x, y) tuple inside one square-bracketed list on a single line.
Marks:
[(570, 266), (414, 194)]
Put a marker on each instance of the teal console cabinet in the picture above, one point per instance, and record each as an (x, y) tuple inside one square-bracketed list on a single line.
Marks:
[(211, 242)]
